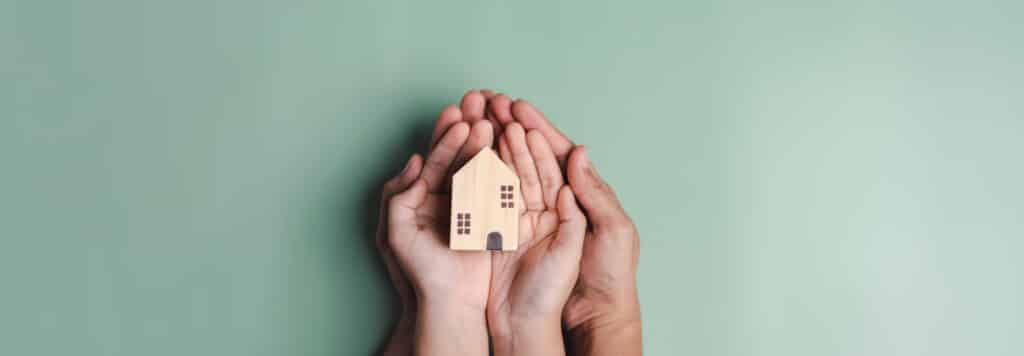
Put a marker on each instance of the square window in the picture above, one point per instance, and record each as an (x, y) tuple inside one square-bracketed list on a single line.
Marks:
[(460, 215), (459, 223), (467, 216), (511, 205), (504, 204), (467, 231), (510, 188)]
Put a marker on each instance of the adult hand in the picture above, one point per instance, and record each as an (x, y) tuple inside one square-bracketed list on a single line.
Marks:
[(529, 286), (603, 311), (450, 287), (400, 343)]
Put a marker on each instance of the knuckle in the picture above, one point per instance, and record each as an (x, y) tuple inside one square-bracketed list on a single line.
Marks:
[(622, 227), (530, 180), (435, 164)]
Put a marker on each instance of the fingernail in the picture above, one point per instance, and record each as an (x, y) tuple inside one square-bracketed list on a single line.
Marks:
[(588, 165), (586, 156), (407, 165)]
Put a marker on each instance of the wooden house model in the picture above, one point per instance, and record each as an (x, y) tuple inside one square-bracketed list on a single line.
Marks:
[(485, 205)]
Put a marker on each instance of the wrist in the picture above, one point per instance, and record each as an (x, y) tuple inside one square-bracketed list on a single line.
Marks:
[(540, 335), (593, 310), (450, 328), (615, 331)]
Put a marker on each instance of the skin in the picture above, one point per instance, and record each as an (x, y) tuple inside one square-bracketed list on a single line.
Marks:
[(530, 288), (444, 292), (602, 314), (400, 342)]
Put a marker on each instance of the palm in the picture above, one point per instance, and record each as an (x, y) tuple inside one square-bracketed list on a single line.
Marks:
[(433, 264), (535, 279)]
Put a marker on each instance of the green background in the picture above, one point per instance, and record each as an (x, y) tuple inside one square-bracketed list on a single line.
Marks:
[(809, 178)]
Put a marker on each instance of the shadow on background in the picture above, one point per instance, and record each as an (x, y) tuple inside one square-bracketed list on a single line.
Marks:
[(367, 305)]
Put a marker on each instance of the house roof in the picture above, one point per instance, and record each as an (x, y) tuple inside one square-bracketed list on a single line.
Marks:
[(488, 159)]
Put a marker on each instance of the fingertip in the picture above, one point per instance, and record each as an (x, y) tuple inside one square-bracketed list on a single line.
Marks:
[(514, 129), (459, 130), (450, 115), (483, 126), (577, 160), (450, 111), (501, 107), (412, 167), (473, 104)]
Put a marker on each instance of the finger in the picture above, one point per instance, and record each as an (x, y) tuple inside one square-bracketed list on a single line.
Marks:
[(572, 224), (440, 159), (397, 184), (480, 137), (402, 207), (393, 186), (499, 109), (472, 105), (547, 167), (525, 168), (532, 119), (597, 198), (488, 94), (505, 153), (451, 115)]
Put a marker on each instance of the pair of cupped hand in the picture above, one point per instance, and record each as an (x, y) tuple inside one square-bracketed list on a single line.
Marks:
[(575, 265)]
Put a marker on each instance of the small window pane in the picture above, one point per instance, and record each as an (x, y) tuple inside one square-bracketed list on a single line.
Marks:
[(511, 205)]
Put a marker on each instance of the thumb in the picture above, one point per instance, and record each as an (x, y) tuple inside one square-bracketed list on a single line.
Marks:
[(572, 224), (402, 207), (597, 197)]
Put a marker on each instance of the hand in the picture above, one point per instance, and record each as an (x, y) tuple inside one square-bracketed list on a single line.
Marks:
[(450, 287), (530, 286), (400, 342), (604, 305)]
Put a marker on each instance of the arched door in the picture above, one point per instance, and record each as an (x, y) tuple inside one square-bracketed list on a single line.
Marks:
[(494, 241)]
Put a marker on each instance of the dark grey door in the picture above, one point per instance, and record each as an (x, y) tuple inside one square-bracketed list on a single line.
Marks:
[(494, 241)]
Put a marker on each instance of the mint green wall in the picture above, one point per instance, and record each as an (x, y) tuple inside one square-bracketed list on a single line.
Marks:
[(196, 177)]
